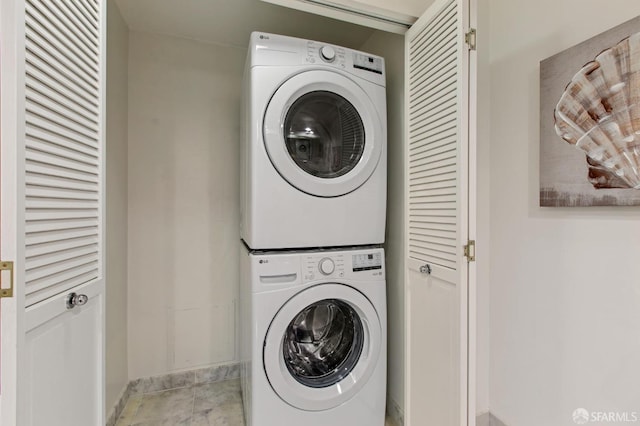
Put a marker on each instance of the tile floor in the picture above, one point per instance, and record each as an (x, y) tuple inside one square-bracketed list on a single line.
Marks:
[(208, 404)]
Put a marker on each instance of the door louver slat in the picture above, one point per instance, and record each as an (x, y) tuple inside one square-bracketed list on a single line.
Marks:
[(62, 66), (56, 90), (65, 34), (436, 59), (437, 89), (49, 158), (441, 70), (57, 80), (63, 54), (446, 19), (81, 24), (61, 151), (58, 119), (75, 23), (66, 266), (428, 151), (430, 129), (59, 256), (437, 141), (433, 140), (51, 181), (62, 146), (52, 247)]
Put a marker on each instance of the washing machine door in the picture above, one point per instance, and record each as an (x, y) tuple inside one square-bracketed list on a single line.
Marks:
[(322, 133), (322, 347)]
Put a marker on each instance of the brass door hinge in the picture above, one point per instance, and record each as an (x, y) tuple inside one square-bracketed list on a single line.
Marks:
[(6, 292), (470, 38), (470, 251)]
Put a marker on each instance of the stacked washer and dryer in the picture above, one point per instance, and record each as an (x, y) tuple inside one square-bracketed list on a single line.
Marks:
[(313, 203)]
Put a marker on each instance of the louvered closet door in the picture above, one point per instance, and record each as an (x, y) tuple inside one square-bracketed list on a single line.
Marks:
[(437, 93), (53, 224)]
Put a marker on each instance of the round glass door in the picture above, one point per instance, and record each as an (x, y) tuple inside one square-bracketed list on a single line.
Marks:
[(323, 343), (322, 346), (324, 134)]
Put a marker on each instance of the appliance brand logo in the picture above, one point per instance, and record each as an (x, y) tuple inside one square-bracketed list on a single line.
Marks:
[(261, 261)]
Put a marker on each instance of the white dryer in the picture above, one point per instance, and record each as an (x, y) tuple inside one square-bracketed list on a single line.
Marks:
[(314, 157), (313, 337)]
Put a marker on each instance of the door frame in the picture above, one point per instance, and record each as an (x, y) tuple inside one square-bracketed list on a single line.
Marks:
[(12, 83)]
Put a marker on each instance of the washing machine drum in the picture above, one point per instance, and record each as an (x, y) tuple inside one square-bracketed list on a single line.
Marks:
[(322, 133), (322, 347)]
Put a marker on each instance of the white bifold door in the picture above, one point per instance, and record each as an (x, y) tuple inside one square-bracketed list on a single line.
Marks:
[(52, 55), (440, 82)]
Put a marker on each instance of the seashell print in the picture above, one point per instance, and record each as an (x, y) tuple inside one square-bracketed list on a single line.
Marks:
[(599, 113)]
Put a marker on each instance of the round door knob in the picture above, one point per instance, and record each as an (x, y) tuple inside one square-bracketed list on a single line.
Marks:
[(327, 266), (74, 299), (328, 53)]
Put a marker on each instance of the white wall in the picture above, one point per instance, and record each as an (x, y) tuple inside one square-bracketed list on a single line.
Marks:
[(565, 294), (391, 47), (183, 203), (116, 198)]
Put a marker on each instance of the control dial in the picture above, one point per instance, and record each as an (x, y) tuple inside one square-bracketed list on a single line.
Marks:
[(328, 53), (326, 266)]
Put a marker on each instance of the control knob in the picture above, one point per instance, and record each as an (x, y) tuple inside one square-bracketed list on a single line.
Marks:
[(326, 266), (328, 53)]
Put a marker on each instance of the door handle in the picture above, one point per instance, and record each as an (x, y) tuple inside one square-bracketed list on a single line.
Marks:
[(74, 300), (426, 269)]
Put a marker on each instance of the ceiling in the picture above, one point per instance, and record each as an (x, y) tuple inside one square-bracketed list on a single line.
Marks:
[(230, 22)]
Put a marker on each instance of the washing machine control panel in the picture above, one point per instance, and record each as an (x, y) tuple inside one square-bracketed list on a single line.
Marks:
[(367, 262), (343, 265), (327, 266), (323, 265)]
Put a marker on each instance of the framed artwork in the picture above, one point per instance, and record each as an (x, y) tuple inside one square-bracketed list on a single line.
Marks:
[(590, 122)]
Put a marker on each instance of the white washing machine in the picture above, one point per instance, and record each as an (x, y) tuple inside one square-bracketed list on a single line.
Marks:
[(314, 157), (313, 337)]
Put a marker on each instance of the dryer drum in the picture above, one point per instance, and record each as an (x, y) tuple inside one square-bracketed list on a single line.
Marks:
[(324, 134), (323, 343)]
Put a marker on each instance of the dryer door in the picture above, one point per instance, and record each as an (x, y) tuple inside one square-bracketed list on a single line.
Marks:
[(322, 347), (323, 133)]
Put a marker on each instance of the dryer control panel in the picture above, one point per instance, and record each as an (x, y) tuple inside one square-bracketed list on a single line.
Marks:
[(277, 50), (343, 58), (324, 53)]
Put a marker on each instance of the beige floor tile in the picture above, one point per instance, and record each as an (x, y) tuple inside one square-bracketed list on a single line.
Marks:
[(175, 403), (229, 414), (208, 404), (129, 411), (179, 420), (217, 394)]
